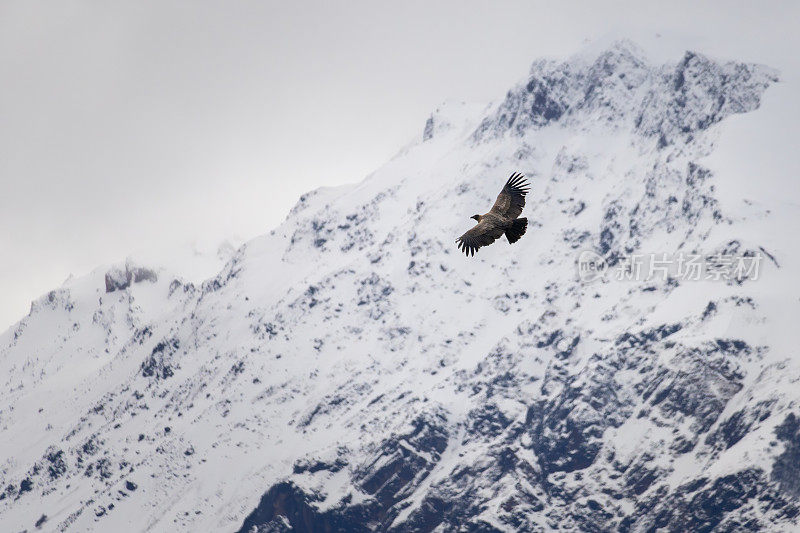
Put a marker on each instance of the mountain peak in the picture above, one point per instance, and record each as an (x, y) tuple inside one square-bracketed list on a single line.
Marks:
[(616, 86)]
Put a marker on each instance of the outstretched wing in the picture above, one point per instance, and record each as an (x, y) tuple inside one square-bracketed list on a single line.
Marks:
[(511, 199), (483, 234)]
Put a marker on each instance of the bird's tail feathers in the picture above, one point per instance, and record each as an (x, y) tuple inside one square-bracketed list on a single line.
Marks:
[(517, 230)]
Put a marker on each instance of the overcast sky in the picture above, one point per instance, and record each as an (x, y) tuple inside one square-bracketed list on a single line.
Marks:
[(129, 126)]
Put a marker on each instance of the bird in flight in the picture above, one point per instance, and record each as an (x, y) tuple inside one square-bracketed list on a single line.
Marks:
[(502, 218)]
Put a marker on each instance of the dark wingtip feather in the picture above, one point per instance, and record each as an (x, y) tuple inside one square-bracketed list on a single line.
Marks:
[(518, 182)]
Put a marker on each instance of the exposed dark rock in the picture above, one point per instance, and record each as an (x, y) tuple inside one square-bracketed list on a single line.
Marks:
[(705, 505), (158, 363), (57, 466), (739, 424), (400, 465), (786, 470), (285, 507), (120, 279)]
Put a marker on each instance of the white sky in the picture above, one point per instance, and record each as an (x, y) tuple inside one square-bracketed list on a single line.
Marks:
[(130, 126)]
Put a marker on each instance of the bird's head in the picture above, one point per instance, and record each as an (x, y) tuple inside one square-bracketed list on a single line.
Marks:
[(476, 217)]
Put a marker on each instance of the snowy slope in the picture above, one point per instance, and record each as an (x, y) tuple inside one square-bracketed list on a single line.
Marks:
[(352, 371)]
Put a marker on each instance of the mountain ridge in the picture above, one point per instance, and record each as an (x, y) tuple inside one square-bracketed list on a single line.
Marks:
[(350, 371)]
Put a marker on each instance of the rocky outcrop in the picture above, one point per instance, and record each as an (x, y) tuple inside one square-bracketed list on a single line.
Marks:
[(119, 279)]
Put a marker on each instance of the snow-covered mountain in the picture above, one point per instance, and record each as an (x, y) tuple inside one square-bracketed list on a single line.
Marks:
[(352, 371)]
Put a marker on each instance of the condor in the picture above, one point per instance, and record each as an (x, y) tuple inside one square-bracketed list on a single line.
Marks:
[(501, 219)]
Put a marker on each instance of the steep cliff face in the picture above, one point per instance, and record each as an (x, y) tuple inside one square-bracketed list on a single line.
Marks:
[(351, 371)]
